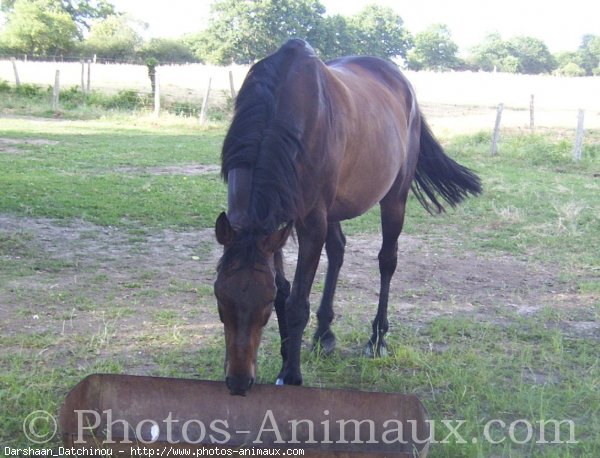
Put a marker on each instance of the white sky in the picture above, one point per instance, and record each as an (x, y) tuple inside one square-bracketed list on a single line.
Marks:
[(560, 24)]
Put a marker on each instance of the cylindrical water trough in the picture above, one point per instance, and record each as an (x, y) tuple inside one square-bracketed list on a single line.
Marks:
[(152, 416)]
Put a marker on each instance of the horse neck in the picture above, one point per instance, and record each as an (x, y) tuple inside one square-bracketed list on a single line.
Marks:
[(239, 186)]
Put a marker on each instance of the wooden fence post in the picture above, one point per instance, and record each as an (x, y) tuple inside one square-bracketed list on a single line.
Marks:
[(231, 85), (14, 64), (56, 91), (156, 94), (496, 135), (531, 114), (89, 75), (577, 149), (205, 103), (83, 77)]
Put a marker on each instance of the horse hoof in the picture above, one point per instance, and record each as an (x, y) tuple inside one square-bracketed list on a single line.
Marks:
[(287, 378), (376, 351), (324, 346)]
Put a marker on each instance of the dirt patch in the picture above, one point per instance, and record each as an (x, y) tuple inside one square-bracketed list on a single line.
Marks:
[(8, 145), (186, 170), (436, 278), (121, 286)]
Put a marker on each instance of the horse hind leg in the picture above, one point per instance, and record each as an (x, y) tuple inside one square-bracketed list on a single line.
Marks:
[(324, 339), (392, 220)]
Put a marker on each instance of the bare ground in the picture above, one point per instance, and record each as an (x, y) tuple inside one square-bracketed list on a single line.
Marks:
[(133, 291), (8, 145)]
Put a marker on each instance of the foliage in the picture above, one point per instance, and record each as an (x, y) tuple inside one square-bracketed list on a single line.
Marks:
[(167, 50), (489, 53), (39, 27), (434, 50), (567, 57), (570, 69), (532, 54), (379, 31), (29, 90), (245, 31), (113, 38), (151, 64), (242, 31), (33, 99), (518, 55), (81, 11), (336, 37), (126, 99), (85, 11), (589, 53)]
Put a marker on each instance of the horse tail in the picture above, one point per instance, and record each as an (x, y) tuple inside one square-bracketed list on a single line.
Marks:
[(437, 175)]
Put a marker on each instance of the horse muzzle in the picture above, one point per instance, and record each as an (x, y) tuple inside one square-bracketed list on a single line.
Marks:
[(239, 386)]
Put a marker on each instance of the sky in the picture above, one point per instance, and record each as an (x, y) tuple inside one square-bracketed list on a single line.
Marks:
[(560, 24)]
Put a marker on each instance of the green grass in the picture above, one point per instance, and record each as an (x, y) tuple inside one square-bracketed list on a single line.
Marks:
[(537, 202), (537, 205), (35, 100), (80, 170)]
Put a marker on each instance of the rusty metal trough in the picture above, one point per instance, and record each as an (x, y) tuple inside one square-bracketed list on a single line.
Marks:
[(151, 416)]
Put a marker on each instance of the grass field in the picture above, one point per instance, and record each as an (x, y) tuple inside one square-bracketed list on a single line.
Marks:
[(107, 262)]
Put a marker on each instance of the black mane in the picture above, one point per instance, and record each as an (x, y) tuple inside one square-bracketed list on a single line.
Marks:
[(260, 139)]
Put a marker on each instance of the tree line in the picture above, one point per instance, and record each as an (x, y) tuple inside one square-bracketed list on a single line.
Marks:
[(242, 31)]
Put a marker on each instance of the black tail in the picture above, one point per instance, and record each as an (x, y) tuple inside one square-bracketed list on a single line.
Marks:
[(439, 175)]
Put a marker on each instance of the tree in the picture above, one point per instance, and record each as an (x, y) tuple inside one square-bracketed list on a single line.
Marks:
[(39, 27), (567, 57), (242, 31), (379, 31), (113, 38), (336, 38), (517, 55), (589, 53), (167, 50), (434, 50), (489, 54), (570, 69), (533, 55), (81, 11)]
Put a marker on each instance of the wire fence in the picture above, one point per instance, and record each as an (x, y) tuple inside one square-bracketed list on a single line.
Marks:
[(455, 102), (134, 60)]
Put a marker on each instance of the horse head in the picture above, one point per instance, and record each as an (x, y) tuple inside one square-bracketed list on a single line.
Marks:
[(245, 290)]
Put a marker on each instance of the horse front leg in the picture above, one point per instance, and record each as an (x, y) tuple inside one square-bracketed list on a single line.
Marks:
[(283, 292), (311, 238), (324, 338)]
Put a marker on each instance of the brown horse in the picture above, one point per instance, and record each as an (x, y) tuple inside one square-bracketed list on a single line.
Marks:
[(310, 145)]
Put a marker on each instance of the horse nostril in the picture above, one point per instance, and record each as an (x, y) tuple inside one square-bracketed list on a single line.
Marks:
[(239, 385)]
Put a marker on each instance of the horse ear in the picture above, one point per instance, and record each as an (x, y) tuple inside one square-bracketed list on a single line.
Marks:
[(277, 239), (223, 230)]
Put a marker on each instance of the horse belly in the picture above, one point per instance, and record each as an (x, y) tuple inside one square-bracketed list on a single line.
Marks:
[(363, 183)]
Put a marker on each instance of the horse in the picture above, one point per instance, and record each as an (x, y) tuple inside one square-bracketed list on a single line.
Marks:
[(312, 144)]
